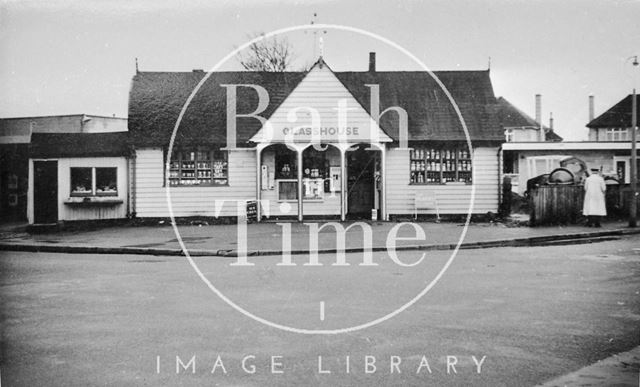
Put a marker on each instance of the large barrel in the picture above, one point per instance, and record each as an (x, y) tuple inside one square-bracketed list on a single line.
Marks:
[(561, 176)]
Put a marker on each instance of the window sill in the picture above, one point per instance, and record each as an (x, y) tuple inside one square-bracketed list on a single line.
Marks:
[(448, 183), (197, 185), (303, 200), (92, 201)]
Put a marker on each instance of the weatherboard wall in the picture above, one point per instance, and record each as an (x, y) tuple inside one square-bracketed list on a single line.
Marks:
[(67, 210), (151, 196), (453, 198)]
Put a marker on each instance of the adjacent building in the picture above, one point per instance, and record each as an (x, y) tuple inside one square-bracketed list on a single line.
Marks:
[(608, 149), (46, 159)]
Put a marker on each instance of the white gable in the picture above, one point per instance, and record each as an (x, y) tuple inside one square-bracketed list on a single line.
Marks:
[(313, 113)]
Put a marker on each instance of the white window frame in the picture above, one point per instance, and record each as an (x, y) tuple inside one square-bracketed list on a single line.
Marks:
[(617, 134), (94, 191), (509, 135)]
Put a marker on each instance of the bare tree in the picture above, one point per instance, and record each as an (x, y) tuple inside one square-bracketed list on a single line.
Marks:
[(270, 54)]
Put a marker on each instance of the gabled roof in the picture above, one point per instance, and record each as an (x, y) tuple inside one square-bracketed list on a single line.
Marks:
[(320, 90), (52, 145), (156, 99), (510, 116), (617, 116)]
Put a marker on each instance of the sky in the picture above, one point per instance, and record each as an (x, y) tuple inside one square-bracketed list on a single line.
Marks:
[(70, 57)]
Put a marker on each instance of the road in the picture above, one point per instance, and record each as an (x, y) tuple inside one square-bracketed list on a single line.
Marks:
[(508, 316)]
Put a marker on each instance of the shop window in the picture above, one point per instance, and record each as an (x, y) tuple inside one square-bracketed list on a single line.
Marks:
[(286, 164), (316, 169), (316, 165), (81, 181), (94, 181), (106, 181), (199, 167), (312, 189), (439, 166), (287, 190)]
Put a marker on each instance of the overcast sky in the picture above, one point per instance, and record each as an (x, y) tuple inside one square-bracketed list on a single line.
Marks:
[(66, 57)]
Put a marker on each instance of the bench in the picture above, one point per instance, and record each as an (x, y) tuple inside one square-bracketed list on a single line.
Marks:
[(427, 200)]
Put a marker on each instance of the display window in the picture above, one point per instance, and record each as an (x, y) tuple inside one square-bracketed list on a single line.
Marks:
[(316, 172), (198, 167), (94, 181), (106, 181), (440, 166), (315, 163), (285, 163)]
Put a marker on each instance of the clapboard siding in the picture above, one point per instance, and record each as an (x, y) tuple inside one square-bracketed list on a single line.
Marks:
[(321, 91), (452, 198), (150, 191), (199, 201), (79, 212)]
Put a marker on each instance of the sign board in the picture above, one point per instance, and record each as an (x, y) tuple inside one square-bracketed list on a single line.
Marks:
[(252, 210)]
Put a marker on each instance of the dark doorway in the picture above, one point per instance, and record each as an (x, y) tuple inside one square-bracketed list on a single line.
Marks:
[(362, 170), (45, 192), (14, 182)]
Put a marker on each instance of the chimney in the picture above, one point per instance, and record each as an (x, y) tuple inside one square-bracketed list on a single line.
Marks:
[(591, 108), (550, 121), (539, 116), (372, 62)]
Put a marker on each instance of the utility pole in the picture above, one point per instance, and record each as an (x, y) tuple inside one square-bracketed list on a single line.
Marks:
[(633, 207)]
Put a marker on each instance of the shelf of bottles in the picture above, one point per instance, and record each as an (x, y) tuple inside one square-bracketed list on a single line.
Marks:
[(438, 166), (464, 166), (198, 168)]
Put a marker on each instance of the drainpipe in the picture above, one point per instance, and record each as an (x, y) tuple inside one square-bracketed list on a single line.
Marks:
[(500, 161), (132, 185)]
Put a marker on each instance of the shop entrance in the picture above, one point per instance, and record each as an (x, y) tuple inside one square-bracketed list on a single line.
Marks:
[(363, 181), (45, 192)]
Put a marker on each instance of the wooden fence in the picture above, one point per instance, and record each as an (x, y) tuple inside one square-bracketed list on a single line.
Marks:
[(562, 204)]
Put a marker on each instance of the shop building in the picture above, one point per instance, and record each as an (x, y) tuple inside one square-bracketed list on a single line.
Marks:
[(304, 157), (40, 157), (78, 176)]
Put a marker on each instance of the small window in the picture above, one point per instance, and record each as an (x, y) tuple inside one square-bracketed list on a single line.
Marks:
[(509, 135), (617, 134), (81, 181), (94, 181), (106, 182)]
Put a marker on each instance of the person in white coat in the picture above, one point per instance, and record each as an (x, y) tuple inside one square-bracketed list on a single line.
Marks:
[(594, 206)]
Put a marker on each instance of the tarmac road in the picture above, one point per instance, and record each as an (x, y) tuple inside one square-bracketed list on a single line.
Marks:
[(533, 314)]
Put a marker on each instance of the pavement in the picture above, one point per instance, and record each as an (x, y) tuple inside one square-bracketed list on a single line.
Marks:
[(267, 238), (536, 313), (622, 369)]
